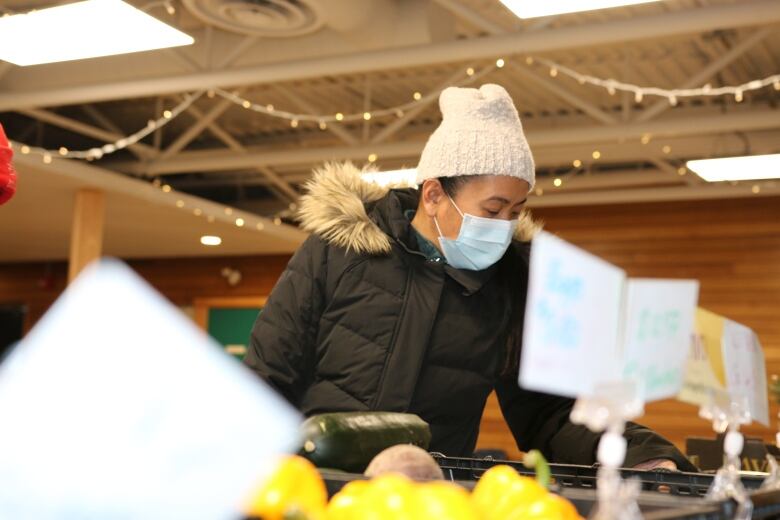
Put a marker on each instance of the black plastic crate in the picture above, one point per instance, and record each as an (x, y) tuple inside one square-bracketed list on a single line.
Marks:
[(584, 477), (654, 506)]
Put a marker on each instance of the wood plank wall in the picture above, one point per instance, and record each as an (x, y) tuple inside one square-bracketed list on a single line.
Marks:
[(732, 246)]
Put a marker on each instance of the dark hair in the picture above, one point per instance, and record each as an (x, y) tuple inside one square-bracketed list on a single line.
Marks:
[(510, 274), (452, 185)]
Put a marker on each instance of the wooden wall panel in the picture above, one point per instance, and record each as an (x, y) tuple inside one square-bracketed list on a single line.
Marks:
[(731, 246)]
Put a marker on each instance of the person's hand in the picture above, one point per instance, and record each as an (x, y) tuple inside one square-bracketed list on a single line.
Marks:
[(657, 464)]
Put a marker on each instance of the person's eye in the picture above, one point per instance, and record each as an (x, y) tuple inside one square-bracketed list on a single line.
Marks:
[(491, 213)]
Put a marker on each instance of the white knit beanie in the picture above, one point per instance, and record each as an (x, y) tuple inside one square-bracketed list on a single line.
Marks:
[(480, 134)]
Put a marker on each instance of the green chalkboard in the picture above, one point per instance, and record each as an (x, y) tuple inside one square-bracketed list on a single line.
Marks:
[(231, 327)]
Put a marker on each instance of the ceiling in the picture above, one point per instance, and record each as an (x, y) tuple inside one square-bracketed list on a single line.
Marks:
[(328, 56), (140, 221)]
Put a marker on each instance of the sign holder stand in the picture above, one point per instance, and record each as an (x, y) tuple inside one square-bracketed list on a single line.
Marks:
[(607, 410), (727, 414)]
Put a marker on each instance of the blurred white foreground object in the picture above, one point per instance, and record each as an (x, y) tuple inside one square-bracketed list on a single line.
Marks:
[(117, 406)]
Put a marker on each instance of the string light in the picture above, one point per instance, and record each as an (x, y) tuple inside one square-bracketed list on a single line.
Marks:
[(682, 170), (577, 163), (596, 154), (166, 188), (612, 85), (756, 188), (417, 96), (240, 222), (46, 158), (228, 211), (557, 182), (63, 151), (372, 157), (197, 212), (645, 138), (179, 203), (666, 149), (672, 95)]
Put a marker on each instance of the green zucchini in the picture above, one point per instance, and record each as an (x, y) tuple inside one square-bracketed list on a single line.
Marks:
[(350, 440)]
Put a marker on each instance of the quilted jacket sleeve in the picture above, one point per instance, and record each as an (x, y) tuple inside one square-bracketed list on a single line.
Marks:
[(282, 344)]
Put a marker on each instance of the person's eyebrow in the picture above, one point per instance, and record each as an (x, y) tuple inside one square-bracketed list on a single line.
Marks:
[(506, 201)]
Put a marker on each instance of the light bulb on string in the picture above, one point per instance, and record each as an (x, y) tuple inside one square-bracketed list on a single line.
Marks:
[(339, 116), (367, 116), (673, 100), (294, 123), (500, 63), (553, 72), (323, 125), (638, 96), (469, 71), (738, 96)]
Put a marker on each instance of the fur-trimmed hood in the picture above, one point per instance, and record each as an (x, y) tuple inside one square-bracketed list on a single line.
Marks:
[(334, 208)]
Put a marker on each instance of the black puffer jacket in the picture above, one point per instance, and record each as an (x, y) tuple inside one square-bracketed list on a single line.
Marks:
[(360, 320)]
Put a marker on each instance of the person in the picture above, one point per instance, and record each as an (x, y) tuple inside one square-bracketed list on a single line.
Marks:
[(412, 300)]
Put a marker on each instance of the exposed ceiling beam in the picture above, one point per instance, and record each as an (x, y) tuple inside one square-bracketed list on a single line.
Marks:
[(652, 194), (217, 130), (471, 16), (390, 130), (563, 93), (662, 25), (280, 183), (195, 130), (712, 123), (334, 128), (671, 171), (707, 72), (141, 149)]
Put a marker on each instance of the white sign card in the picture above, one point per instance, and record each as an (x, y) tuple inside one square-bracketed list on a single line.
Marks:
[(659, 323), (588, 324), (116, 406), (572, 319), (743, 360)]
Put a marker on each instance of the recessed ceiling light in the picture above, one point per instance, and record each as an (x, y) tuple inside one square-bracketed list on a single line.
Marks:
[(81, 30), (749, 167), (210, 240), (529, 9)]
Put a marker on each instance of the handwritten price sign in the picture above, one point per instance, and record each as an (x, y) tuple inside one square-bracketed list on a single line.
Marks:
[(588, 324)]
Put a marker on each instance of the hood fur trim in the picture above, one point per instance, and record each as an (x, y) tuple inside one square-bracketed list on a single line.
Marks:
[(334, 208)]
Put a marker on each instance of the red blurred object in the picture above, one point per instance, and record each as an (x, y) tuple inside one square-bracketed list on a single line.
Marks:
[(7, 172)]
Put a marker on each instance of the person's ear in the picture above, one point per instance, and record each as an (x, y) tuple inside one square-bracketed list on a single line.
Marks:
[(432, 195)]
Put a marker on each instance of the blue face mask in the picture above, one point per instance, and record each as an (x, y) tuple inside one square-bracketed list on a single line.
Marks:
[(481, 241)]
